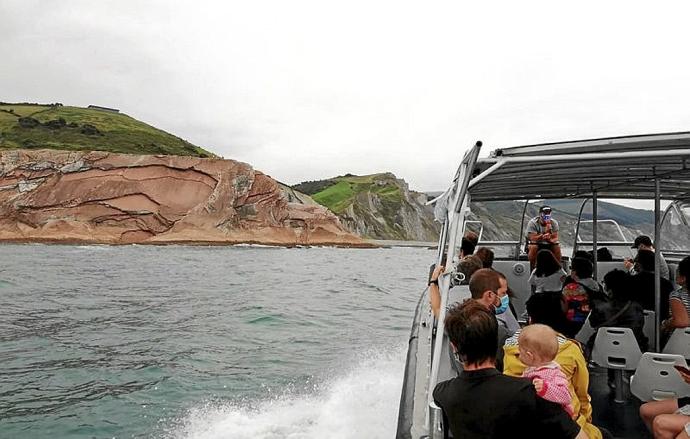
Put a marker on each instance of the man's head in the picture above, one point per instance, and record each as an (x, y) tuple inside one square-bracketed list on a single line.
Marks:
[(545, 214), (486, 255), (645, 260), (581, 268), (473, 330), (468, 244), (484, 287), (538, 345), (643, 242), (469, 265)]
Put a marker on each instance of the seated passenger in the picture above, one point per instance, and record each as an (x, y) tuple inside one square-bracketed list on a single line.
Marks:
[(643, 284), (620, 310), (483, 403), (668, 418), (468, 244), (543, 309), (542, 233), (548, 274), (486, 289), (468, 266), (679, 301), (644, 243), (486, 255), (505, 313), (579, 291)]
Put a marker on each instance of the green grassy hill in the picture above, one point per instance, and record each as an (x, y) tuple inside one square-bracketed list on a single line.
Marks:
[(37, 126), (376, 206)]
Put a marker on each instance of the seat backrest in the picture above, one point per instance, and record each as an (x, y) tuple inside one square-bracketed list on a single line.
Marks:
[(679, 343), (649, 328), (656, 378), (585, 332), (616, 348)]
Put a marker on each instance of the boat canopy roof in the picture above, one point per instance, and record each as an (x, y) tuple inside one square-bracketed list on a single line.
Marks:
[(614, 167)]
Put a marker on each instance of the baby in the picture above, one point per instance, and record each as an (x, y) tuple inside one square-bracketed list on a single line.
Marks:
[(538, 346)]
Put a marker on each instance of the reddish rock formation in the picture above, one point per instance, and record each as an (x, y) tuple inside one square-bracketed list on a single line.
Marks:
[(100, 197)]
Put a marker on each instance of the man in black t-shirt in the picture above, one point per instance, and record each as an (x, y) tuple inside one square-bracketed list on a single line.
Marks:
[(483, 403)]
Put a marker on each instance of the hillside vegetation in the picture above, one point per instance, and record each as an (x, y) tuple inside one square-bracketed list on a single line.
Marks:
[(54, 126), (378, 206)]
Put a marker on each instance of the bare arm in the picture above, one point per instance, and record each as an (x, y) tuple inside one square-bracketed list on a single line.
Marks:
[(679, 315), (434, 292), (582, 434)]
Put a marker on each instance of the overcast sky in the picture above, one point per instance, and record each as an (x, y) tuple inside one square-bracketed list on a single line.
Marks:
[(309, 90)]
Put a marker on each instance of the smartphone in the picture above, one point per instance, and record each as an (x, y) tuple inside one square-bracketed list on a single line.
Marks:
[(682, 369)]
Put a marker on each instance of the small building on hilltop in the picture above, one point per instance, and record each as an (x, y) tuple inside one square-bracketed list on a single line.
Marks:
[(98, 107)]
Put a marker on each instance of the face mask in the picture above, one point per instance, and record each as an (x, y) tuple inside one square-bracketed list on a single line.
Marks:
[(546, 217), (503, 307)]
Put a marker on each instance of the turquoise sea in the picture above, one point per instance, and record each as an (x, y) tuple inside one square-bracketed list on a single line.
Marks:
[(204, 342)]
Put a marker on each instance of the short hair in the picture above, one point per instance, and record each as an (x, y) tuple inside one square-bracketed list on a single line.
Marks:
[(583, 267), (618, 283), (469, 265), (540, 339), (486, 255), (547, 264), (546, 308), (484, 280), (583, 254), (468, 243), (474, 332), (684, 268), (645, 259)]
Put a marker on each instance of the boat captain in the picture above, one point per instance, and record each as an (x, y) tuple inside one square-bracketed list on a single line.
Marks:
[(542, 233)]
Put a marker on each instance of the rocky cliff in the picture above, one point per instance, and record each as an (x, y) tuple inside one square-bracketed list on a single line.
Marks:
[(378, 206), (102, 197)]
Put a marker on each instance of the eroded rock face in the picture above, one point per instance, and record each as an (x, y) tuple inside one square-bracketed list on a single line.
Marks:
[(100, 197)]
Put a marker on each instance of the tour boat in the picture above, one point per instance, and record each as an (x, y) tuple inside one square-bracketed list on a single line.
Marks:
[(641, 167)]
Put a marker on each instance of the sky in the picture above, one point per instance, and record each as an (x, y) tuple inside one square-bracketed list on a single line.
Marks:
[(305, 90)]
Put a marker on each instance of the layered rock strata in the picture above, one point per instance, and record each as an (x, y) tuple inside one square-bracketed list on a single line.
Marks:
[(100, 197)]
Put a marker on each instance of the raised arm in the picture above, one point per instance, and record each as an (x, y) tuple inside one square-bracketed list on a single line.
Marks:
[(434, 292)]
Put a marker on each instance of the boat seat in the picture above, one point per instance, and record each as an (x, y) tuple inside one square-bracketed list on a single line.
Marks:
[(616, 349), (656, 378), (649, 329), (679, 343), (585, 333)]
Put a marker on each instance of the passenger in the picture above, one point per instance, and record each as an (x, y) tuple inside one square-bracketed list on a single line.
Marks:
[(486, 255), (548, 274), (542, 232), (644, 242), (485, 289), (543, 309), (538, 346), (579, 291), (643, 284), (679, 301), (668, 418), (468, 244), (468, 266), (483, 403), (505, 313), (620, 310)]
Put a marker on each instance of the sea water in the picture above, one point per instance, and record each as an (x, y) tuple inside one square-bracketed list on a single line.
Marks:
[(204, 342)]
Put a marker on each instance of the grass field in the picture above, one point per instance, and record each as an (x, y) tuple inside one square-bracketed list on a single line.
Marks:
[(116, 132), (341, 195)]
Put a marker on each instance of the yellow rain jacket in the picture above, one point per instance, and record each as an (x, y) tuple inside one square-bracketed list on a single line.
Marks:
[(574, 367)]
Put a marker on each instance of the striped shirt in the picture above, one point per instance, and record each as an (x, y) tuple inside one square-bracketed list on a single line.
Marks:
[(682, 295)]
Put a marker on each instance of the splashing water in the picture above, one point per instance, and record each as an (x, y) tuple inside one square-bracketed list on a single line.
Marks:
[(361, 403)]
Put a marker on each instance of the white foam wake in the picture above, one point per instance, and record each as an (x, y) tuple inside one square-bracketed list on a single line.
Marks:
[(361, 403)]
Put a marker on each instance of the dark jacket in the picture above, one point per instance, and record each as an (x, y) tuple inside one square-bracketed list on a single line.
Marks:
[(643, 292), (486, 404), (622, 314)]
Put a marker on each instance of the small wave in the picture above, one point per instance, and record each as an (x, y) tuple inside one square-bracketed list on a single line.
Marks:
[(6, 283), (363, 403)]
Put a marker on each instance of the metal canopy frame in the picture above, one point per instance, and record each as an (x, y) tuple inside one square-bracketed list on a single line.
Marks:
[(619, 167)]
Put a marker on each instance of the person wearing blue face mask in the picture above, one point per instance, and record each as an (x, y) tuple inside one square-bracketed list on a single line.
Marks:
[(504, 313), (542, 233)]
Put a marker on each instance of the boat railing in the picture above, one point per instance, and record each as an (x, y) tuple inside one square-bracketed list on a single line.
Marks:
[(435, 421)]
